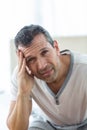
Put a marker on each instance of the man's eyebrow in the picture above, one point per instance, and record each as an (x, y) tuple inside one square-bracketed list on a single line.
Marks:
[(44, 48), (29, 57)]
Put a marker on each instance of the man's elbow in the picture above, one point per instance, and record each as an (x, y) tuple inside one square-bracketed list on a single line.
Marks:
[(8, 125)]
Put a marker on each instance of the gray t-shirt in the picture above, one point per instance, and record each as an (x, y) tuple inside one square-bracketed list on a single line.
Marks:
[(69, 105)]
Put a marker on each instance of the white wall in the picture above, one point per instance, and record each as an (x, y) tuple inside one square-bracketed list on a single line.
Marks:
[(74, 43)]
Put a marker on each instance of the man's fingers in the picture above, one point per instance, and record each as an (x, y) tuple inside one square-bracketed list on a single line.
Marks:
[(20, 59), (23, 66), (28, 71)]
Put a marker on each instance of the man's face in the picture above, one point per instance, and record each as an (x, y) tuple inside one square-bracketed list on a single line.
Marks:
[(42, 59)]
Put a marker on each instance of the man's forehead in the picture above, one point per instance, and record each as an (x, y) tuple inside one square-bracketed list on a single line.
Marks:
[(34, 48)]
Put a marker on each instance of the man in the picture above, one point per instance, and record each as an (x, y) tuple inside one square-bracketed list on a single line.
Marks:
[(56, 80)]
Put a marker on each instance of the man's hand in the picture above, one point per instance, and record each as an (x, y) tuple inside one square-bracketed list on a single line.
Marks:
[(25, 80)]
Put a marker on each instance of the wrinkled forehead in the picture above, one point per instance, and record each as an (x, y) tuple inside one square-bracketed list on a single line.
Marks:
[(36, 46)]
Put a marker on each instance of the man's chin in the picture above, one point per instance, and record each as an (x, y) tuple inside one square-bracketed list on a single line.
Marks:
[(48, 80)]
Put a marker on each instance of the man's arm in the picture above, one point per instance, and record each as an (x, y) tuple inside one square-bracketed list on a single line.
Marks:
[(20, 110), (18, 118)]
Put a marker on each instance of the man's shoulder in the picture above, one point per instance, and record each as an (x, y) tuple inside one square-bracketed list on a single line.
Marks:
[(80, 58)]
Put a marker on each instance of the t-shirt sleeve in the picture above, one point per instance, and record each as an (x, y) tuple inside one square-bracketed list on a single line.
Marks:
[(13, 85)]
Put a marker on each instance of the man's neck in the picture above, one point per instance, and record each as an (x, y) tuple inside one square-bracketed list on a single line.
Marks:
[(57, 84)]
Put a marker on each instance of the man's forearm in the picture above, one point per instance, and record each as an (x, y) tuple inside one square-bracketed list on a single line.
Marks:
[(19, 118)]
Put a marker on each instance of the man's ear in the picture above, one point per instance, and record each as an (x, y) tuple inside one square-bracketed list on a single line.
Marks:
[(56, 47)]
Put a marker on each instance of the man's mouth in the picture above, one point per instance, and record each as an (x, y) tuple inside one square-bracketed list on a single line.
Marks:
[(47, 73)]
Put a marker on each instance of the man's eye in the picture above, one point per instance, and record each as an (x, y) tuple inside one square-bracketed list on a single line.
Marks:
[(29, 61), (44, 52)]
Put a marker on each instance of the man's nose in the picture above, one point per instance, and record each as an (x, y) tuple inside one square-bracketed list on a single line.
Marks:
[(41, 64)]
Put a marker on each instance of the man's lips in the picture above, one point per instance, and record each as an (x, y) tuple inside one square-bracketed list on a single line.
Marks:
[(47, 73)]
